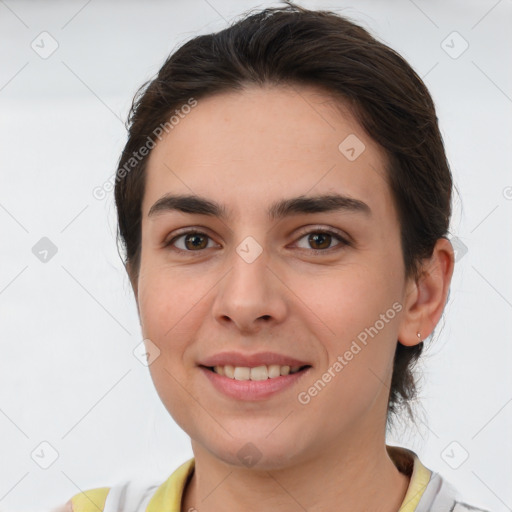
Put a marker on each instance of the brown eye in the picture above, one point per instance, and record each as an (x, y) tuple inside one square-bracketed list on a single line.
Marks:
[(322, 240), (192, 241), (195, 241)]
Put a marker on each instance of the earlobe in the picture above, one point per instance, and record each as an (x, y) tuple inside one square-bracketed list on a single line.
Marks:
[(427, 296)]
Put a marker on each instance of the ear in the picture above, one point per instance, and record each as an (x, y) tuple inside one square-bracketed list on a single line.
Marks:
[(426, 296)]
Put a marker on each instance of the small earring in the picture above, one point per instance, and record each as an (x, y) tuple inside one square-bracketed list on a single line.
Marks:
[(419, 335)]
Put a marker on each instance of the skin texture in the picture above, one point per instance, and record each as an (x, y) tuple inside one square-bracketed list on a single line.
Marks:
[(246, 150)]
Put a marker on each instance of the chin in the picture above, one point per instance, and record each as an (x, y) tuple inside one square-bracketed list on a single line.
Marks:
[(258, 454)]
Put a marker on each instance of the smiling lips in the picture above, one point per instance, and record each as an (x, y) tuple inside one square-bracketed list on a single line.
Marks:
[(254, 376)]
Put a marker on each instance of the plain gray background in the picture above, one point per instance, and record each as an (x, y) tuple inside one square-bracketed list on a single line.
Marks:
[(73, 397)]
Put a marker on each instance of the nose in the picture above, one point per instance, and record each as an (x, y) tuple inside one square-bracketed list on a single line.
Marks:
[(251, 296)]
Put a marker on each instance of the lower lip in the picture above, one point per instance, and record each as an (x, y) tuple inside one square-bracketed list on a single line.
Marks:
[(252, 389)]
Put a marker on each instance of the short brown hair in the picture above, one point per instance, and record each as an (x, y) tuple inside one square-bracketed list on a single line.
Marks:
[(291, 45)]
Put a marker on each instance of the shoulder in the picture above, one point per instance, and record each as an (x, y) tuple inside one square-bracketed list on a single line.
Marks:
[(92, 500)]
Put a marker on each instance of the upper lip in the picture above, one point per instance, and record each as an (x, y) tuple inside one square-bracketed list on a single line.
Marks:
[(251, 360)]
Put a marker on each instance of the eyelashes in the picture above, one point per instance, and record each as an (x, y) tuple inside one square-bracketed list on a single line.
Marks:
[(326, 236), (323, 233), (183, 235)]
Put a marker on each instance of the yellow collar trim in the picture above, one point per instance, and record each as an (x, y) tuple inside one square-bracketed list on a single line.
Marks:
[(409, 463)]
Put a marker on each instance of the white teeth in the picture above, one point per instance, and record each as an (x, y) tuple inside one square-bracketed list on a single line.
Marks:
[(262, 372), (229, 371), (259, 373), (242, 373), (274, 370)]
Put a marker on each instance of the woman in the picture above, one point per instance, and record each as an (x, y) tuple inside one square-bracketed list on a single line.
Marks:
[(284, 201)]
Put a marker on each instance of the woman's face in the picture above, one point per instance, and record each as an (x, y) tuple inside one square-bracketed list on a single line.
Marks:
[(250, 282)]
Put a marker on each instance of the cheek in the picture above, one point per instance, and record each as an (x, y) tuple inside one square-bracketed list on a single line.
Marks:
[(165, 307), (171, 311), (354, 299), (173, 306), (165, 294), (361, 310)]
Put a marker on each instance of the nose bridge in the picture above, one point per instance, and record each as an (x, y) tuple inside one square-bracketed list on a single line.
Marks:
[(249, 290), (248, 276)]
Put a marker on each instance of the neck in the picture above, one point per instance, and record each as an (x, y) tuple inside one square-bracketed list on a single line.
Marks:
[(359, 477)]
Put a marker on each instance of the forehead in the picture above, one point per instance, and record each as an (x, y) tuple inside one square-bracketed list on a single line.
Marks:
[(263, 144)]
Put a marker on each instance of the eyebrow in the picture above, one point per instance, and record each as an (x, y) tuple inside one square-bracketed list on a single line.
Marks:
[(283, 208)]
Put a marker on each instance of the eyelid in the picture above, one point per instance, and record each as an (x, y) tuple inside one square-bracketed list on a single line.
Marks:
[(343, 238)]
